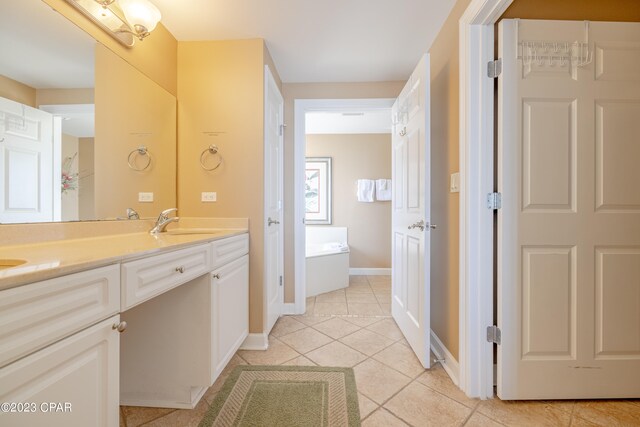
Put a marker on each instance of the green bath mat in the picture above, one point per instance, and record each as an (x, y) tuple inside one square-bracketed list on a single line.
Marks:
[(286, 396)]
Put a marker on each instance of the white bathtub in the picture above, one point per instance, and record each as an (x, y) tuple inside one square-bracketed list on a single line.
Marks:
[(327, 253)]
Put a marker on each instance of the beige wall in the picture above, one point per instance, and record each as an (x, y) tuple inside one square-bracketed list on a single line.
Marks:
[(155, 57), (69, 203), (354, 157), (575, 10), (64, 96), (148, 117), (445, 208), (220, 89), (291, 92), (17, 91)]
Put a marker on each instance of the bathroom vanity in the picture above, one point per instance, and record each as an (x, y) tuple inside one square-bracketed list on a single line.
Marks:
[(128, 319)]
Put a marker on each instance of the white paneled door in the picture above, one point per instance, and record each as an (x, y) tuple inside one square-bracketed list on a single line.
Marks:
[(569, 227), (27, 170), (411, 212), (273, 193)]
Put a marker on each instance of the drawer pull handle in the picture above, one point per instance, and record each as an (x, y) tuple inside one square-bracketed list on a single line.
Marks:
[(180, 269), (216, 276), (120, 327)]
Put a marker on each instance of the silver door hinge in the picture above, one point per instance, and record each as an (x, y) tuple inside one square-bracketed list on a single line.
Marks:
[(280, 280), (281, 130), (494, 335), (494, 201), (494, 68)]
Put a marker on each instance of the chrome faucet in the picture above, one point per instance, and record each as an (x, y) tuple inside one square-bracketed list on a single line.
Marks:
[(163, 220)]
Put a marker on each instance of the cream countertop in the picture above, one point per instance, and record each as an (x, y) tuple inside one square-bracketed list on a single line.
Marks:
[(57, 258)]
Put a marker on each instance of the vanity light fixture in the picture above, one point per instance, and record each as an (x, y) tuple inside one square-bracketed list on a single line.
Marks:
[(121, 19)]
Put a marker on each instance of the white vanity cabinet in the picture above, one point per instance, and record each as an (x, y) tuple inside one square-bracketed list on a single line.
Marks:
[(60, 351), (229, 300)]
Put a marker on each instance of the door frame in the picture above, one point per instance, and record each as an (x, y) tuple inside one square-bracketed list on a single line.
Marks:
[(476, 45), (301, 107), (269, 81)]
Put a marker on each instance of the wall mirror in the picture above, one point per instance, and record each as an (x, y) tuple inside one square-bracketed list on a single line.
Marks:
[(66, 127)]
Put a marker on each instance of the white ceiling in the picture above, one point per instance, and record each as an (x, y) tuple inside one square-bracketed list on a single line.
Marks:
[(319, 40), (42, 49), (77, 119), (352, 122)]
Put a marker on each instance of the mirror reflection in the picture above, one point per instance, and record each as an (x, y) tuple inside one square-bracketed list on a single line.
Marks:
[(71, 113), (47, 116)]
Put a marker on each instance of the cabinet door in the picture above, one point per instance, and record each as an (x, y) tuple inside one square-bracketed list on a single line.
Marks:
[(73, 382), (229, 312)]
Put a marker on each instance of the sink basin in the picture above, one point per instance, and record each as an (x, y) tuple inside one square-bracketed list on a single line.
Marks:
[(185, 231), (10, 263)]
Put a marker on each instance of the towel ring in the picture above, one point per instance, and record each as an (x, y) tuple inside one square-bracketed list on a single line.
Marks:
[(142, 151), (213, 149)]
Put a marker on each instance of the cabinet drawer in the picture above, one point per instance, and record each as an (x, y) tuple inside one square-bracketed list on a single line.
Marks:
[(228, 249), (145, 278), (36, 315)]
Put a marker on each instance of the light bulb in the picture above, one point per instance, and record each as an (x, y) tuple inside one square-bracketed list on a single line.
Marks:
[(140, 13)]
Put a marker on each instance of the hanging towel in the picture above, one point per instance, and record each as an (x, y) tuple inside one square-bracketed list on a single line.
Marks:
[(383, 189), (366, 188)]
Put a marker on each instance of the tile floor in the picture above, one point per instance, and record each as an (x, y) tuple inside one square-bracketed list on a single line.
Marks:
[(393, 388)]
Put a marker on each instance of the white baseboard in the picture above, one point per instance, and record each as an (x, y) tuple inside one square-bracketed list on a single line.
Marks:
[(255, 342), (370, 272), (450, 364), (289, 309)]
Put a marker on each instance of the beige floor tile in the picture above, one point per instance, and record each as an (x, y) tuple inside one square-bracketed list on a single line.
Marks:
[(437, 379), (366, 405), (336, 354), (330, 308), (359, 288), (362, 321), (277, 353), (311, 300), (608, 412), (400, 358), (285, 325), (182, 417), (403, 341), (420, 406), (310, 306), (335, 296), (311, 320), (377, 381), (336, 328), (479, 420), (382, 418), (383, 299), (366, 342), (387, 328), (358, 279), (364, 309), (379, 279), (299, 361), (217, 385), (368, 298), (305, 340), (136, 415), (523, 414), (386, 309)]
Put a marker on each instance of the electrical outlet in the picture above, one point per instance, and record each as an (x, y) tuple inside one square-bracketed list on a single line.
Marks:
[(145, 197), (455, 182), (209, 197)]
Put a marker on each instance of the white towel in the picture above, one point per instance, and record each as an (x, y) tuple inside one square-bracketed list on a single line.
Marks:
[(383, 189), (366, 188)]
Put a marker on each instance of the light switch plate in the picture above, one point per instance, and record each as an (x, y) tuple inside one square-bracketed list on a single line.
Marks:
[(145, 197), (209, 197), (455, 182)]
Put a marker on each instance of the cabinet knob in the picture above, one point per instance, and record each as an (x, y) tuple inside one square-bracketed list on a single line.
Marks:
[(180, 269), (216, 276), (120, 327)]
